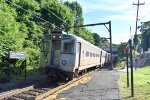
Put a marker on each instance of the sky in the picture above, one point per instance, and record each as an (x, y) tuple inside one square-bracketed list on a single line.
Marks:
[(121, 13)]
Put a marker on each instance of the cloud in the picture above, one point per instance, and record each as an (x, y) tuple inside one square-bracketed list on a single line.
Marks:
[(105, 5), (120, 8), (120, 37), (87, 8), (121, 17)]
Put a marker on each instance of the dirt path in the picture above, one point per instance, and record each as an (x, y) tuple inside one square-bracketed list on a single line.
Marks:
[(102, 86)]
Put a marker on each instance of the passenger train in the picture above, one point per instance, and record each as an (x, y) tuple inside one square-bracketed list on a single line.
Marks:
[(65, 55)]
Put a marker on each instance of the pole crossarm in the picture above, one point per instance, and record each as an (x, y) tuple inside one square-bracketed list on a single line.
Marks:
[(139, 3), (106, 38), (88, 25)]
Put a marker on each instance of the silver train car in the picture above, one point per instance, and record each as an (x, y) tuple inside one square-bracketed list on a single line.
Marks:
[(65, 55)]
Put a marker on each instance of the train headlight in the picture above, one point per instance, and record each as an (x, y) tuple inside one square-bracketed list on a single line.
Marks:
[(54, 36), (64, 62), (60, 36), (46, 60)]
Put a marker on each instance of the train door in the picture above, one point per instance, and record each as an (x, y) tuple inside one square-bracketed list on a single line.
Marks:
[(101, 59), (55, 52), (67, 58), (105, 59), (79, 53)]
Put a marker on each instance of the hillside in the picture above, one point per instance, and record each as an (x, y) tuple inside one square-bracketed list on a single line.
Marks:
[(24, 22)]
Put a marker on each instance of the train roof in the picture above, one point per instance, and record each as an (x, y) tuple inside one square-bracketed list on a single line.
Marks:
[(58, 32), (75, 37), (82, 40)]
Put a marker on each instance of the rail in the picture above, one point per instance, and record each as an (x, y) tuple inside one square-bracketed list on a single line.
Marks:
[(33, 93)]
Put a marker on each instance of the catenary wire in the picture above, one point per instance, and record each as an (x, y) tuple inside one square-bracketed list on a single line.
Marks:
[(144, 16), (28, 12), (54, 14)]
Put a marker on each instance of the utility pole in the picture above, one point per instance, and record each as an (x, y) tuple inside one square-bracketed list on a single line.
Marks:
[(138, 4), (130, 33)]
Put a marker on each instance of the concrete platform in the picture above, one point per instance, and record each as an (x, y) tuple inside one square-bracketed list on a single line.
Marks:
[(102, 86)]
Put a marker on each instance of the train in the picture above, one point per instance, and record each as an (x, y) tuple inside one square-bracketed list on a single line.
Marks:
[(65, 56)]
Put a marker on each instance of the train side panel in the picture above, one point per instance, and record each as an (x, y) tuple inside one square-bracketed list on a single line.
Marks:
[(89, 56)]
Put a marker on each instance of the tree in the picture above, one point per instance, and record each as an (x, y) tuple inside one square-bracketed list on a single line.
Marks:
[(78, 20), (136, 41), (96, 39), (77, 11), (145, 30), (121, 50), (104, 42)]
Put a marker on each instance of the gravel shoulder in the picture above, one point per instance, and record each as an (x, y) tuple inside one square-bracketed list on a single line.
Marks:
[(102, 86), (17, 84)]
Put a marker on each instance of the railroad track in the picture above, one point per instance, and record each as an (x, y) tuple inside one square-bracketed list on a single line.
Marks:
[(39, 92)]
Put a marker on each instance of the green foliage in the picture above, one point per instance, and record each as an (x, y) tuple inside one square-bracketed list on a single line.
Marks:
[(50, 9), (77, 11), (96, 39), (145, 30), (121, 50), (87, 35), (32, 61), (104, 42), (136, 41)]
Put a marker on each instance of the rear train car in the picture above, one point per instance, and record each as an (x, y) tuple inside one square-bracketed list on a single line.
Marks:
[(65, 56)]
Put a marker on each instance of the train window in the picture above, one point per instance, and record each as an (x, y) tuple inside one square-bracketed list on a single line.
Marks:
[(46, 45), (66, 37), (93, 54), (57, 45), (87, 54), (103, 55), (78, 47), (68, 46), (90, 54)]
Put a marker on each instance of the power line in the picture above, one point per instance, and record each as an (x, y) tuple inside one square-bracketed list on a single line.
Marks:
[(29, 12), (54, 14), (145, 16)]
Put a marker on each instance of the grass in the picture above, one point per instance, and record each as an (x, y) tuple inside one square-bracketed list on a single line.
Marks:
[(141, 85)]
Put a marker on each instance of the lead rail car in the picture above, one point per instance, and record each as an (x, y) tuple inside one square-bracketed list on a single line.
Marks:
[(66, 55)]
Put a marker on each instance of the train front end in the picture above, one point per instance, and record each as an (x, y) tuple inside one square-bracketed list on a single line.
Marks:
[(58, 55)]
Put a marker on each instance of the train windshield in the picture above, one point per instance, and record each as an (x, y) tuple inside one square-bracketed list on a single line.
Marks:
[(55, 54), (46, 45), (68, 47)]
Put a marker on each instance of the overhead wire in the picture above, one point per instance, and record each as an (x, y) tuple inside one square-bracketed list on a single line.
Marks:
[(145, 16), (29, 12), (37, 15), (54, 14)]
